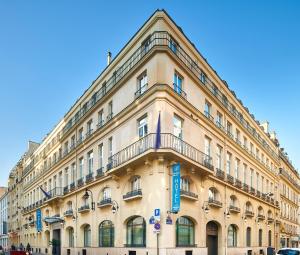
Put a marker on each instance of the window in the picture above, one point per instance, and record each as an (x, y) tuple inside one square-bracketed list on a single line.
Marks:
[(80, 168), (90, 157), (173, 45), (228, 163), (212, 194), (106, 234), (232, 236), (142, 83), (87, 236), (203, 77), (72, 142), (207, 109), (185, 184), (238, 136), (177, 123), (248, 237), (251, 177), (73, 172), (110, 110), (80, 135), (89, 128), (71, 237), (260, 236), (207, 148), (185, 232), (142, 127), (106, 193), (100, 118), (245, 173), (257, 181), (136, 232), (66, 177), (100, 151), (229, 128), (146, 45), (135, 183), (110, 149), (245, 143), (236, 168), (177, 83), (219, 157), (219, 119)]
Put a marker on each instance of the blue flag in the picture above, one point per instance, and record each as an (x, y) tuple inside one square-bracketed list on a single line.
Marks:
[(45, 193), (158, 134)]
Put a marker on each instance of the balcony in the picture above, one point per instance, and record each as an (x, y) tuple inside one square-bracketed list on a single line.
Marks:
[(168, 142), (261, 217), (245, 187), (89, 177), (230, 179), (100, 173), (72, 186), (104, 202), (258, 193), (220, 126), (238, 183), (234, 209), (188, 194), (66, 190), (134, 194), (141, 91), (109, 117), (179, 90), (100, 124), (84, 209), (249, 214), (89, 133), (80, 182), (270, 219), (208, 116), (214, 203), (55, 193), (68, 213), (263, 196), (220, 174), (252, 191)]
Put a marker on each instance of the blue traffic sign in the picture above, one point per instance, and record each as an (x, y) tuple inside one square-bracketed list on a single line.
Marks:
[(157, 212)]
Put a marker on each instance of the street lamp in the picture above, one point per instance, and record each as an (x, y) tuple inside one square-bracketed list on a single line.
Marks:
[(115, 206), (86, 196), (205, 207)]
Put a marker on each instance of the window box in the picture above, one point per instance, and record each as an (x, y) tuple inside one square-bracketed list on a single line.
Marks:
[(215, 203), (134, 194), (104, 202), (188, 195), (84, 208)]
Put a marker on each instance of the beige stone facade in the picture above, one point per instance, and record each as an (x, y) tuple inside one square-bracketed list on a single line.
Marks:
[(231, 168)]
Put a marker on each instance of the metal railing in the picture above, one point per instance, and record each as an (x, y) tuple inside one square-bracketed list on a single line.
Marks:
[(141, 91), (105, 201), (168, 141), (179, 91), (133, 193), (188, 193), (84, 208)]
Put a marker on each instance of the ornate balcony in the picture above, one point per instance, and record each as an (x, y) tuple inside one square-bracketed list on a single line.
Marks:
[(261, 217), (234, 209), (89, 177), (245, 187), (230, 179), (84, 208), (188, 194), (66, 190), (252, 191), (134, 194), (214, 203), (72, 186), (249, 213), (80, 182), (220, 174), (68, 213), (104, 202), (100, 173), (258, 193), (238, 183)]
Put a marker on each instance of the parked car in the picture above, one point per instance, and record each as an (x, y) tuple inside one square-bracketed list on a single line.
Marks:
[(288, 251)]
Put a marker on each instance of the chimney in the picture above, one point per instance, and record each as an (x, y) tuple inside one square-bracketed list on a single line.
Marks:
[(108, 58), (273, 135), (265, 126)]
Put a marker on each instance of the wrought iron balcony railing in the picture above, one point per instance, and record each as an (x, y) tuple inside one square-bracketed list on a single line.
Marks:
[(133, 193), (188, 194), (168, 141)]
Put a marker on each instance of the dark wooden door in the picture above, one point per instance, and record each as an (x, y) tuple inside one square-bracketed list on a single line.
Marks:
[(212, 238)]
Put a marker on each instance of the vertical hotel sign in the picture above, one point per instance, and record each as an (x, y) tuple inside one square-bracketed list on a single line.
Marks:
[(39, 220), (175, 187)]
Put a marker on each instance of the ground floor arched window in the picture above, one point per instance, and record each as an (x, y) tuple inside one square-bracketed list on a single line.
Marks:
[(136, 232), (185, 232), (232, 236), (71, 237), (248, 237), (270, 238), (106, 234), (87, 236), (260, 233)]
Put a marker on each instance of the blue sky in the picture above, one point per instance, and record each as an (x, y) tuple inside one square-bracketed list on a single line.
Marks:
[(51, 51)]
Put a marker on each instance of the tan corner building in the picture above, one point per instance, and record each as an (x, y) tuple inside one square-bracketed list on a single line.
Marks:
[(92, 185)]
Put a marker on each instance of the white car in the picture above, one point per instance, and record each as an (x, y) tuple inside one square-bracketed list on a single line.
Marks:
[(288, 251)]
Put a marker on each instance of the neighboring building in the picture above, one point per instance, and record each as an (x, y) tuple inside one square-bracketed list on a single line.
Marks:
[(106, 153), (3, 221)]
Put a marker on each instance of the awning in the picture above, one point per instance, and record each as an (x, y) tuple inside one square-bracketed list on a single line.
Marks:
[(53, 219)]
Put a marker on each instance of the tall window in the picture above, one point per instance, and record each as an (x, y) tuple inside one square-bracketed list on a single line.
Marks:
[(100, 151), (260, 236), (219, 157), (228, 163), (232, 236), (203, 77), (207, 146), (177, 83), (80, 135), (173, 45), (177, 123), (110, 147), (106, 193), (73, 172), (248, 237), (87, 236), (142, 83), (251, 177), (185, 232), (207, 109), (100, 118), (257, 181), (238, 136), (81, 168), (72, 142), (185, 184), (136, 232), (110, 110), (245, 143), (219, 120), (60, 179), (66, 177), (106, 234), (89, 127), (142, 127), (236, 168), (245, 173), (135, 183), (90, 157), (229, 128), (270, 238), (71, 237)]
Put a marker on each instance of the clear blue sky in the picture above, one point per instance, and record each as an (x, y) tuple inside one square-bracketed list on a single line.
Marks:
[(51, 51)]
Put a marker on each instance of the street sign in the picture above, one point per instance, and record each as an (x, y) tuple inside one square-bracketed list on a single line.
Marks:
[(152, 220), (169, 220), (157, 228), (157, 214)]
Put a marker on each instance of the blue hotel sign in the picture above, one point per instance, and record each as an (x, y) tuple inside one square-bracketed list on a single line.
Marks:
[(175, 187), (39, 225)]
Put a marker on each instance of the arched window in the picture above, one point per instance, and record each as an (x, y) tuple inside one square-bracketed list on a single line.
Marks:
[(136, 232), (270, 238), (213, 195), (106, 194), (106, 234), (248, 237), (185, 184), (185, 232), (135, 183), (71, 237), (232, 236), (260, 232), (87, 236)]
